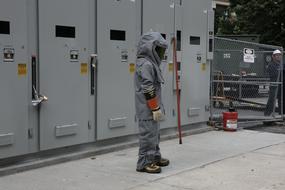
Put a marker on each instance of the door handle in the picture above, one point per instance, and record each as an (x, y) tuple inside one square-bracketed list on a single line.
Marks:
[(36, 97), (93, 62), (34, 75)]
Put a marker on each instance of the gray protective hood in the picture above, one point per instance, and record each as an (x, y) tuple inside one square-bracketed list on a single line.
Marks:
[(146, 49)]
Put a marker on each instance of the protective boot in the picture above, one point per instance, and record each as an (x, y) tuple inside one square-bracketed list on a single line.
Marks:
[(162, 162), (151, 168)]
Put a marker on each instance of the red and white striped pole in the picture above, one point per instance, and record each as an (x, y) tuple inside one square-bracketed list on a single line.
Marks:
[(177, 89)]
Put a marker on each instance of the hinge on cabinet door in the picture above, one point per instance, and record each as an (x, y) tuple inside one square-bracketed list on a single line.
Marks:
[(207, 107), (30, 133), (89, 125)]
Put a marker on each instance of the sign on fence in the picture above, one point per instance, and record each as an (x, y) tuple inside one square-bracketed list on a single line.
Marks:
[(248, 55)]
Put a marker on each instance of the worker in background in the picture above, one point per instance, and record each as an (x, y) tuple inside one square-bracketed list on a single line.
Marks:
[(273, 70), (149, 109)]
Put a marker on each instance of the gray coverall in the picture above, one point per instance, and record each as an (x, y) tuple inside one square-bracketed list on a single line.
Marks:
[(148, 79)]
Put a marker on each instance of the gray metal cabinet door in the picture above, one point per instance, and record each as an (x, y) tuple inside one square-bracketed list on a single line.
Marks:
[(64, 34), (158, 15), (196, 70), (13, 78), (118, 30)]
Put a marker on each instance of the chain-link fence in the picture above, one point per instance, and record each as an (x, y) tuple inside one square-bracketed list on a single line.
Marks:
[(245, 75)]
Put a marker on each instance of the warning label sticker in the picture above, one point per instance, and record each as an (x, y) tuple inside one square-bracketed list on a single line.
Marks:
[(83, 68), (22, 69)]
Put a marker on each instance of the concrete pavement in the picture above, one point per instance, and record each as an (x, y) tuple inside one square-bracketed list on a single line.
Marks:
[(214, 160)]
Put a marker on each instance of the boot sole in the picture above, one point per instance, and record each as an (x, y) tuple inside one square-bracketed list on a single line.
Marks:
[(147, 171)]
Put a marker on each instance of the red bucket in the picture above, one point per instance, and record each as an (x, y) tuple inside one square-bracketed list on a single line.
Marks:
[(230, 121)]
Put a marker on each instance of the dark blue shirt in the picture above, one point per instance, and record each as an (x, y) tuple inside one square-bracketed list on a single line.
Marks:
[(273, 71)]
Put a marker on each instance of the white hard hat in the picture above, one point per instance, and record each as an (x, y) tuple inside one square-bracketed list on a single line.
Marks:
[(277, 52)]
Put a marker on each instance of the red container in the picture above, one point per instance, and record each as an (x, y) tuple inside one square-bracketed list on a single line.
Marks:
[(230, 121)]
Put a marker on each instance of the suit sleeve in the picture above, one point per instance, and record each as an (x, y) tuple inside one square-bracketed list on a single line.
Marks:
[(147, 76)]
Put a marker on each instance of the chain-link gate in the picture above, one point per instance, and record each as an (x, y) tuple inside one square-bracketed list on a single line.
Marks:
[(240, 77)]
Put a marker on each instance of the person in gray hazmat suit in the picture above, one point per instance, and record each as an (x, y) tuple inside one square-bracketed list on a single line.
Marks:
[(149, 108)]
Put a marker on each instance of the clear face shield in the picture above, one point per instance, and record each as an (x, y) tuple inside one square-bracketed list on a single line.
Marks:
[(160, 52)]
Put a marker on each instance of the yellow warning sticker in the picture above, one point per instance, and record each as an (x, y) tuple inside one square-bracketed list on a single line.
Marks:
[(170, 67), (132, 68), (22, 69), (203, 66), (84, 68)]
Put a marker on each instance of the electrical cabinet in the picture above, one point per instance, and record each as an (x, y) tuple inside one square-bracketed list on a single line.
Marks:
[(14, 71), (118, 30), (195, 77), (159, 16), (67, 68), (64, 67)]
